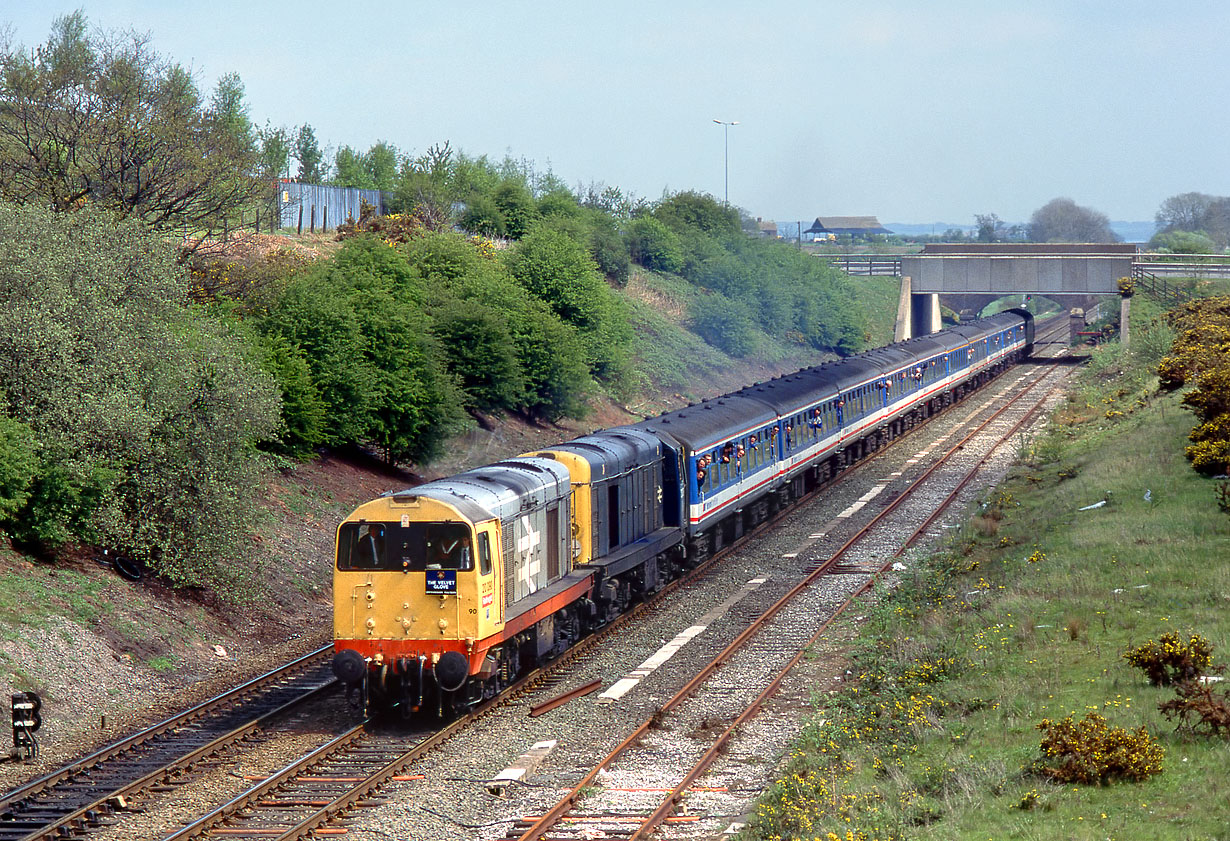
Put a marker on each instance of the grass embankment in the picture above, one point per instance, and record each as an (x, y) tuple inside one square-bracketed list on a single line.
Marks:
[(1025, 617)]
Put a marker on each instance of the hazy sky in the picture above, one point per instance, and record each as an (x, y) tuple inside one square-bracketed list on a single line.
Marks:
[(913, 111)]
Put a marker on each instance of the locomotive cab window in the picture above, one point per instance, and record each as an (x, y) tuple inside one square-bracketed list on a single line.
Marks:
[(391, 547)]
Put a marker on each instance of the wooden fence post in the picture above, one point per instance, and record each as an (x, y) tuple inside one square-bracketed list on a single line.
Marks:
[(313, 228), (324, 226), (301, 219)]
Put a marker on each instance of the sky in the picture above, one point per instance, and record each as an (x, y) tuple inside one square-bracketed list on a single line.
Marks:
[(925, 111)]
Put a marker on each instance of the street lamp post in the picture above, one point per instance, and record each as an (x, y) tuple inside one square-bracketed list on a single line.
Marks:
[(726, 168)]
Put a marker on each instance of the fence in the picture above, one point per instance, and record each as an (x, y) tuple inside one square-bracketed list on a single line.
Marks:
[(316, 207), (866, 265)]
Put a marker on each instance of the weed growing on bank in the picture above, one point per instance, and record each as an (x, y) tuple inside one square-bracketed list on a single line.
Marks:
[(990, 696)]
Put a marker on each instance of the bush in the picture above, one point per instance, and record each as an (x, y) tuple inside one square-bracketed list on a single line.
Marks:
[(361, 326), (1199, 708), (482, 354), (1171, 658), (18, 465), (723, 324), (609, 252), (145, 411), (1183, 242), (654, 246), (483, 216), (304, 411), (558, 271), (551, 353), (516, 207), (1091, 752)]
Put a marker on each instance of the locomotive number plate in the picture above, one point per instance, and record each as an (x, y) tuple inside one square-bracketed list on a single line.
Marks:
[(442, 582)]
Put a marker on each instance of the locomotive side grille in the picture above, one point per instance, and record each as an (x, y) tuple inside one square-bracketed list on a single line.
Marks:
[(509, 543)]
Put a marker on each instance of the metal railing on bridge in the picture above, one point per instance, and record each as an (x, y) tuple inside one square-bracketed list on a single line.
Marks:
[(865, 265)]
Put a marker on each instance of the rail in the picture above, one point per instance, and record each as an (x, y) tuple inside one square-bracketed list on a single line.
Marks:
[(550, 823), (69, 801)]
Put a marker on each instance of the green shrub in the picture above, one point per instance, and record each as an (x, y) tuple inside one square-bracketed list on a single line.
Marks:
[(1091, 752), (559, 272), (654, 246), (483, 216), (304, 411), (18, 465), (146, 411), (481, 353), (516, 207), (1171, 658), (723, 324)]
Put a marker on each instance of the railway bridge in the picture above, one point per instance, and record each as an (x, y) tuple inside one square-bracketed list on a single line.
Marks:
[(970, 276)]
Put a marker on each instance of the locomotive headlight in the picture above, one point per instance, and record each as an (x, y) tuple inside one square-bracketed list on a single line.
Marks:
[(443, 623), (371, 625)]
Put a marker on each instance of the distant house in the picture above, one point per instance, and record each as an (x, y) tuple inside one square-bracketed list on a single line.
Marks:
[(766, 229), (855, 226)]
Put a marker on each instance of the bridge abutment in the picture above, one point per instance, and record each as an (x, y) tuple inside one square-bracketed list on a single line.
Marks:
[(917, 313)]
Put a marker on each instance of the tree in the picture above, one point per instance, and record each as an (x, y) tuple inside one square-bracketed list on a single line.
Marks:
[(275, 148), (360, 323), (231, 113), (350, 169), (311, 159), (424, 187), (516, 206), (482, 216), (381, 164), (103, 119), (145, 412), (1184, 212), (1063, 220), (699, 211), (990, 227), (481, 353), (558, 271)]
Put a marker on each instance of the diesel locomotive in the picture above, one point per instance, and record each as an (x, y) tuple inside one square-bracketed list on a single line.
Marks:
[(446, 592)]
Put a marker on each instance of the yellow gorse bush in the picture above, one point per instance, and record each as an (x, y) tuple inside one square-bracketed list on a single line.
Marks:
[(1172, 657), (1092, 752)]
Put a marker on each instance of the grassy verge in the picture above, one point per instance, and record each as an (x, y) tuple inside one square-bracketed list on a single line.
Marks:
[(1023, 618)]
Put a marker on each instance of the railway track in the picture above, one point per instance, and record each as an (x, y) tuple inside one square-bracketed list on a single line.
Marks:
[(624, 795), (80, 796), (263, 812), (307, 794)]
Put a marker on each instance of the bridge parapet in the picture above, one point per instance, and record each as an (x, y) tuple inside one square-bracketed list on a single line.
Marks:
[(1015, 274)]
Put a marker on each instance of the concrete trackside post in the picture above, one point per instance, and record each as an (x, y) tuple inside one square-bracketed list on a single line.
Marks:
[(1125, 311)]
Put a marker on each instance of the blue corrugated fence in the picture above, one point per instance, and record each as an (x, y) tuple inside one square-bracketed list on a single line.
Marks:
[(319, 207)]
